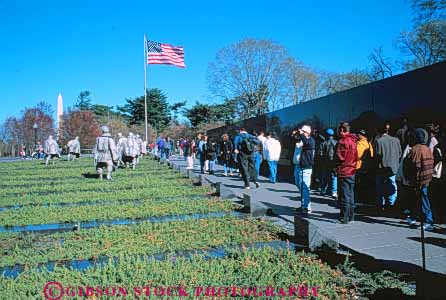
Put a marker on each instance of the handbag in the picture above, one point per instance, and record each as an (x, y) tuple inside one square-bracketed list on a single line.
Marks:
[(438, 167)]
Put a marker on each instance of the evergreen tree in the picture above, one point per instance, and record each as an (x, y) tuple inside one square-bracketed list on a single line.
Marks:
[(158, 110), (83, 101)]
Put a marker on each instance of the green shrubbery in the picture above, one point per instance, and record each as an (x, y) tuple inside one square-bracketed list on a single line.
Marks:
[(161, 193)]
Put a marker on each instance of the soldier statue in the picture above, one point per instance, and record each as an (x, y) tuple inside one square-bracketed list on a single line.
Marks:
[(139, 143), (143, 148), (131, 150), (51, 149), (121, 144), (74, 149), (105, 153)]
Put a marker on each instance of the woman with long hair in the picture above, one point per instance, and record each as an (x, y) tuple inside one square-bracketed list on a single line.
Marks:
[(226, 154)]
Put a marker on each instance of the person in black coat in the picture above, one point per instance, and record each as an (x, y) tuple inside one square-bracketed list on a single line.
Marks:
[(211, 154), (226, 154)]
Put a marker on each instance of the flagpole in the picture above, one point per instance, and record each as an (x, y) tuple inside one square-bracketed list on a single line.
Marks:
[(145, 86)]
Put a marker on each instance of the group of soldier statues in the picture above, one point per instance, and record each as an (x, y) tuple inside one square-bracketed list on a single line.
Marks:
[(107, 153), (127, 151), (130, 149), (52, 149)]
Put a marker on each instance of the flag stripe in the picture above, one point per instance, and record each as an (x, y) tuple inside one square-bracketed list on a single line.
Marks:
[(179, 66), (167, 46), (182, 65), (163, 54), (170, 53), (172, 48), (163, 57), (166, 61)]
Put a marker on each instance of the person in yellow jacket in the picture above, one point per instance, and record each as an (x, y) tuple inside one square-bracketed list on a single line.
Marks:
[(364, 185), (365, 151)]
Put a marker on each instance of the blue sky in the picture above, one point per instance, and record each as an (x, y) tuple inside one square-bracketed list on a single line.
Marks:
[(51, 46)]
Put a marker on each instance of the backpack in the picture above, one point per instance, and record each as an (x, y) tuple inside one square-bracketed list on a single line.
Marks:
[(102, 146), (246, 146)]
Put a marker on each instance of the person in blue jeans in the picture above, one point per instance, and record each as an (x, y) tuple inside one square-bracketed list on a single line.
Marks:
[(202, 148), (211, 155), (161, 144), (168, 148), (271, 152), (304, 165), (328, 165), (244, 144), (387, 154), (418, 168), (257, 162), (258, 153)]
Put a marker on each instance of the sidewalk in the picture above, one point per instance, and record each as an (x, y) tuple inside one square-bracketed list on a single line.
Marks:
[(388, 240)]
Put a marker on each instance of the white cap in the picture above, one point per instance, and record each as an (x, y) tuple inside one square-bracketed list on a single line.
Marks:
[(306, 129)]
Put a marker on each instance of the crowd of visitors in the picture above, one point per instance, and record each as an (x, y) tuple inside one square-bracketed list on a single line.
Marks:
[(391, 172), (388, 171)]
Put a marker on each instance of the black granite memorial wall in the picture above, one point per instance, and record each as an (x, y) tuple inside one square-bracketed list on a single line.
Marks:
[(419, 95)]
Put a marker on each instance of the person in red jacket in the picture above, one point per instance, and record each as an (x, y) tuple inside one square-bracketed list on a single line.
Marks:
[(346, 161)]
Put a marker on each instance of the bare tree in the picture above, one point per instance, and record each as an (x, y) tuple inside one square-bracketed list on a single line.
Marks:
[(428, 10), (243, 70), (380, 66), (355, 78), (331, 82), (425, 44), (336, 82), (304, 82)]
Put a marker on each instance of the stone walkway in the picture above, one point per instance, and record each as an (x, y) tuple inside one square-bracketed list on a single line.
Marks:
[(388, 240)]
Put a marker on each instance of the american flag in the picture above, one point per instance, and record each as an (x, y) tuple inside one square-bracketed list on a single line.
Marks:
[(164, 54)]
